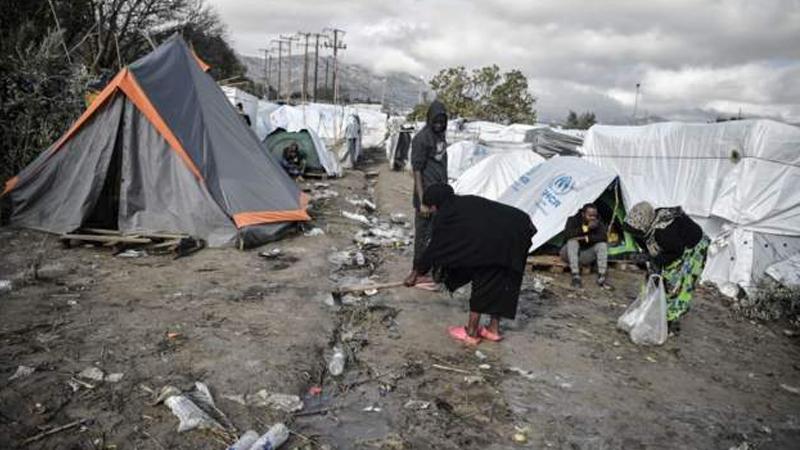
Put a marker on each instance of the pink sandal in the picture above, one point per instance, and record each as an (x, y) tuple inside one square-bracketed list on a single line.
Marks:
[(488, 335), (459, 333)]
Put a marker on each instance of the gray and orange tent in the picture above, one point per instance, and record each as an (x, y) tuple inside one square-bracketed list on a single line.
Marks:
[(160, 149)]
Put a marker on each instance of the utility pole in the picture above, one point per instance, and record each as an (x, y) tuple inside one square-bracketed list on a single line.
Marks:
[(304, 92), (289, 40), (636, 100), (280, 58), (337, 45), (266, 69), (316, 62), (326, 73)]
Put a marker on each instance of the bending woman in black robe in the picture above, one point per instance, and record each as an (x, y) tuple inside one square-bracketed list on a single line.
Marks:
[(480, 241)]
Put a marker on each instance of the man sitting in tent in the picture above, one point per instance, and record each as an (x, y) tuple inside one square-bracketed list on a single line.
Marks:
[(587, 242), (294, 161), (479, 241)]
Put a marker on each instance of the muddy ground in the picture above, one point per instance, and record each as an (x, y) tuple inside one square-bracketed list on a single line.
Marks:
[(240, 322)]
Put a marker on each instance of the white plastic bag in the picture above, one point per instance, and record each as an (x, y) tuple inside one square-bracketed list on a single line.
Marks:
[(646, 319)]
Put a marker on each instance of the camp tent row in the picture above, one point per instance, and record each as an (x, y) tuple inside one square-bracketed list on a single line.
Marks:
[(736, 179), (160, 149)]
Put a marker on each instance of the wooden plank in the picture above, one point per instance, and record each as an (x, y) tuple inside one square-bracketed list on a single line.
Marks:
[(101, 231), (101, 238), (169, 236), (166, 244)]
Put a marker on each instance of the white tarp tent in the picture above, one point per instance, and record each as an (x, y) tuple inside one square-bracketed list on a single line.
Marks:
[(258, 110), (329, 121), (465, 154), (492, 176), (554, 190), (737, 179)]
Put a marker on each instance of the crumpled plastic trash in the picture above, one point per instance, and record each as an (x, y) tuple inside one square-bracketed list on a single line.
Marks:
[(5, 286), (356, 217), (22, 372), (314, 232), (189, 414), (282, 402)]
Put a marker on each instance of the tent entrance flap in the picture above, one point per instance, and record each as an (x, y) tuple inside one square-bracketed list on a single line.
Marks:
[(105, 212)]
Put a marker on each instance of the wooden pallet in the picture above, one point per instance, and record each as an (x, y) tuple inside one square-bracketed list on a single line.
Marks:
[(119, 241), (554, 263)]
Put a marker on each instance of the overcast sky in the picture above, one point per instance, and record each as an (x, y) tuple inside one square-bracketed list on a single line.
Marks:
[(584, 55)]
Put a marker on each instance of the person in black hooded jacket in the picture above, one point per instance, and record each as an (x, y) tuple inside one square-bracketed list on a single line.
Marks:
[(429, 163), (483, 242)]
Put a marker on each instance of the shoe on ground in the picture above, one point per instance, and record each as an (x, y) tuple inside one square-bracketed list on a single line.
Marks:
[(601, 280), (576, 281)]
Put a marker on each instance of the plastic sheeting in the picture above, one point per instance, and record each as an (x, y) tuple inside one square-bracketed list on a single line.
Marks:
[(465, 154), (554, 190), (330, 121), (786, 272), (739, 177), (491, 177)]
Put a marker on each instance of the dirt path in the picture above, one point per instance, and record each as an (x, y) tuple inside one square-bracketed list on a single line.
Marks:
[(563, 378)]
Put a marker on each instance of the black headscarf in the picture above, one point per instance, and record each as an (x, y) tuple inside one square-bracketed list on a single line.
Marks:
[(471, 231)]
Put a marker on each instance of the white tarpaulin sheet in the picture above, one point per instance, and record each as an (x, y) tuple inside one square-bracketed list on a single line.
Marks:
[(329, 121), (554, 190), (258, 110), (742, 174), (786, 272), (491, 177)]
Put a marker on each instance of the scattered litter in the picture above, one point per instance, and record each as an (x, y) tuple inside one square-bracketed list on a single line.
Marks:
[(371, 292), (650, 358), (271, 253), (282, 402), (72, 302), (189, 414), (338, 360), (565, 385), (347, 258), (314, 390), (46, 338), (245, 441), (619, 358), (237, 398), (132, 253), (743, 446), (314, 232), (484, 367), (792, 389), (616, 344), (480, 355), (399, 219), (173, 335), (540, 283), (525, 373), (417, 404), (359, 259), (92, 373), (273, 438), (520, 438), (786, 332), (473, 379), (356, 217), (22, 372), (73, 384), (372, 409), (321, 185), (5, 286), (114, 377), (323, 194), (364, 203), (381, 236)]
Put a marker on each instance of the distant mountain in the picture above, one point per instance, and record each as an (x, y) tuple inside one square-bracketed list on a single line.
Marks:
[(399, 91)]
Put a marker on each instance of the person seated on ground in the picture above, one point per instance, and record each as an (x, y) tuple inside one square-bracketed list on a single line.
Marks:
[(587, 242), (294, 161), (676, 246), (245, 117), (479, 241)]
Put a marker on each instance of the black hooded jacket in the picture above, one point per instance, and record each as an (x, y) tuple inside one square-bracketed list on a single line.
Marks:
[(429, 151)]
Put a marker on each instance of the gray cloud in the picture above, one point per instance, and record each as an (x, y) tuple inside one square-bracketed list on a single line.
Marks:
[(710, 55)]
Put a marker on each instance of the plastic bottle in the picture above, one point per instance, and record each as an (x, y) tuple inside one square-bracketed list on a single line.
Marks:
[(245, 441), (272, 439), (336, 365)]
